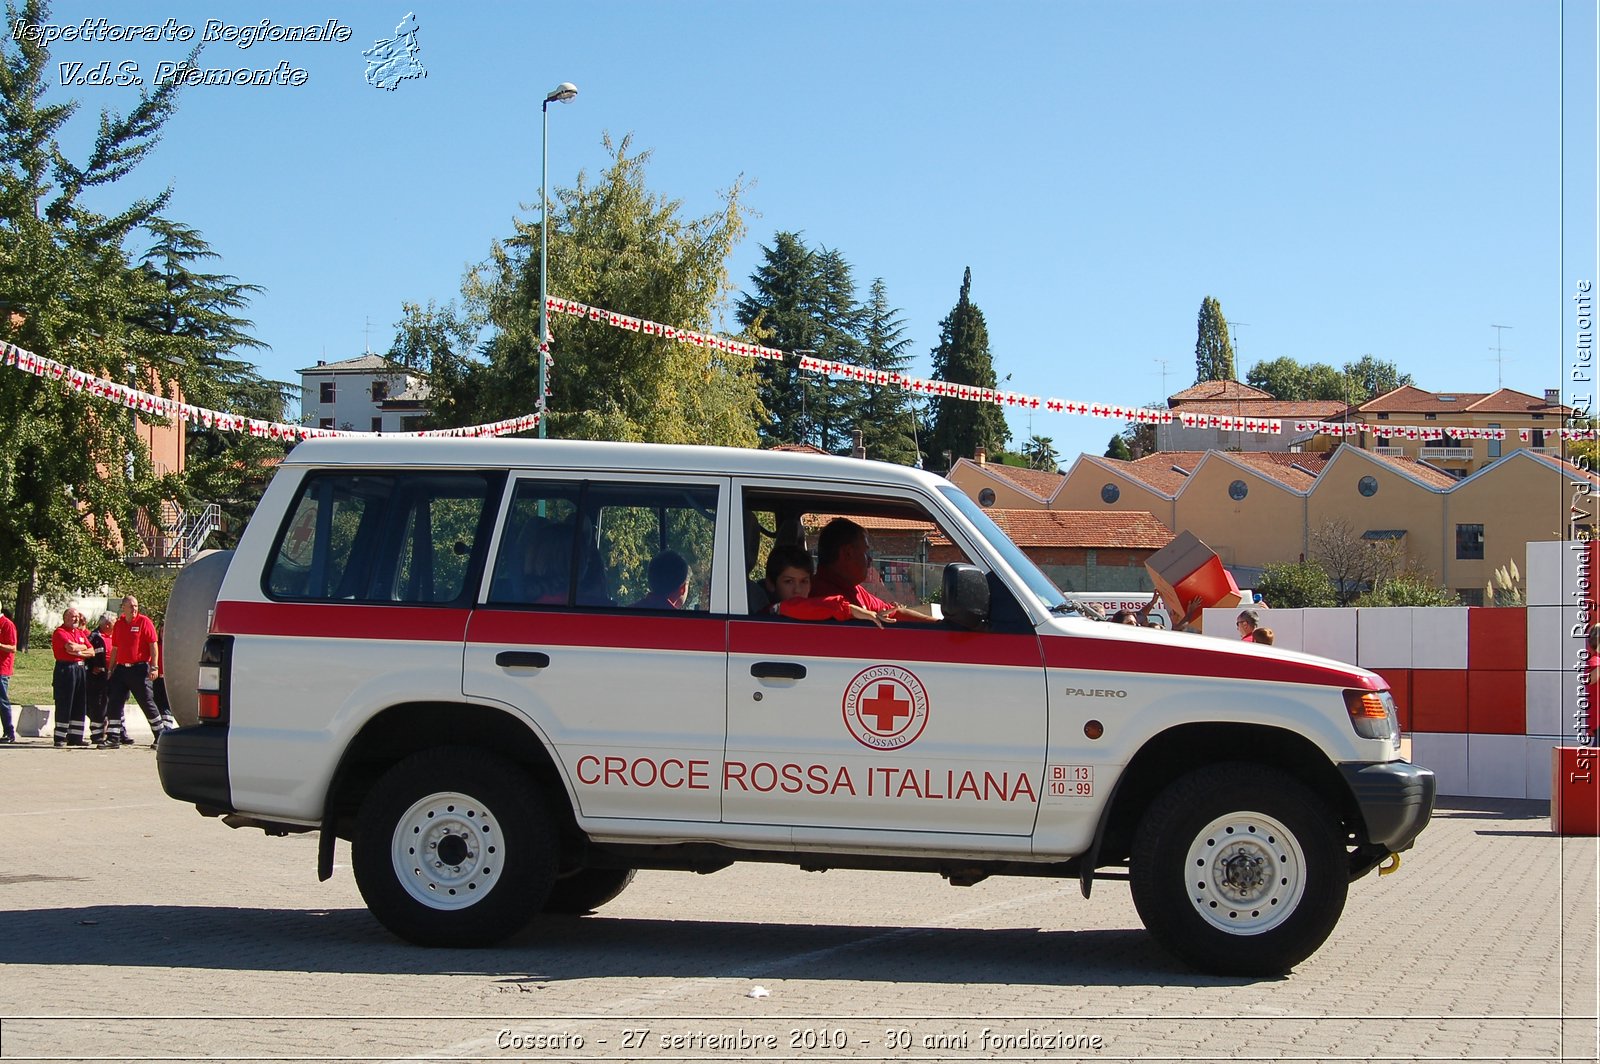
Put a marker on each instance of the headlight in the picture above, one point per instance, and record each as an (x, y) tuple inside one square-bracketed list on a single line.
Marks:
[(1373, 714)]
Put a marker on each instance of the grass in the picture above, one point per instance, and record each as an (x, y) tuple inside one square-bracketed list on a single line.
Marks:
[(30, 679)]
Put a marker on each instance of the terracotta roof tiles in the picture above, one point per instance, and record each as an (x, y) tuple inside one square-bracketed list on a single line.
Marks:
[(1217, 390), (1086, 529)]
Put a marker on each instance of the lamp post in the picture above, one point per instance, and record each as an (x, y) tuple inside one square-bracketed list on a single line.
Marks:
[(561, 94)]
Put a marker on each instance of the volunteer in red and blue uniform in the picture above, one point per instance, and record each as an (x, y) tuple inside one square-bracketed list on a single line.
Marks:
[(135, 661), (70, 645)]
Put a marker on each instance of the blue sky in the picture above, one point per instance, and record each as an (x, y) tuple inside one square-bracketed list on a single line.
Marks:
[(1345, 177)]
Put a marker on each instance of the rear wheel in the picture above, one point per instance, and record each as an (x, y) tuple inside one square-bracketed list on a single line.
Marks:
[(1239, 869), (454, 848), (587, 889)]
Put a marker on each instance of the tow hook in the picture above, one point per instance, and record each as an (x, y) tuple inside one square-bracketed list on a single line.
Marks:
[(1390, 864)]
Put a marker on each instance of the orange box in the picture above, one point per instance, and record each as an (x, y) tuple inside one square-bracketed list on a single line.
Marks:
[(1575, 790), (1439, 700), (1497, 702), (1497, 638), (1186, 569)]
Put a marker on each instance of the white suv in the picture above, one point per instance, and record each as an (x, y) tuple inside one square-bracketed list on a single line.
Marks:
[(443, 651)]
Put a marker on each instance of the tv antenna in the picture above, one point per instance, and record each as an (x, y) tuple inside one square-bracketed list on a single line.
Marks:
[(1499, 356), (1233, 332), (1163, 364)]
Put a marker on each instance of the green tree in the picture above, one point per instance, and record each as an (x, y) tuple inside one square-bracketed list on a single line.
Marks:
[(616, 244), (1118, 449), (884, 414), (1282, 378), (1371, 377), (439, 342), (1041, 453), (961, 426), (1359, 381), (194, 321), (1213, 350), (803, 300), (73, 473), (1296, 585)]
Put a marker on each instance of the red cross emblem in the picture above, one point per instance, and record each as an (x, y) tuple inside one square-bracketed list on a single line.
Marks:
[(885, 707)]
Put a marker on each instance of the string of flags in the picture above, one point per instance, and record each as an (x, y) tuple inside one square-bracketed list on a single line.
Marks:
[(159, 406), (1111, 411), (1435, 432), (918, 385)]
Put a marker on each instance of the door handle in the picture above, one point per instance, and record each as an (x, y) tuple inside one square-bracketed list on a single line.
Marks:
[(778, 670), (522, 659)]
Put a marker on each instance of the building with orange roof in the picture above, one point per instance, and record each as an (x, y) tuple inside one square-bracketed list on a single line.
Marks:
[(1392, 419), (1235, 400), (1255, 508), (1394, 424)]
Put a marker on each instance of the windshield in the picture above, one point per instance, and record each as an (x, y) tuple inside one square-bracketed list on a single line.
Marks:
[(1020, 563)]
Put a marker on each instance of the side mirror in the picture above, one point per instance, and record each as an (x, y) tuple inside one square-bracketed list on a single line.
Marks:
[(965, 599)]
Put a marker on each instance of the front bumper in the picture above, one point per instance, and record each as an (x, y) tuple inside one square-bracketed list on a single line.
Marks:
[(1395, 799), (193, 764)]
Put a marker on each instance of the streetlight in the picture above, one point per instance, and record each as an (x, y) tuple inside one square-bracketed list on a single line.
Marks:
[(560, 94)]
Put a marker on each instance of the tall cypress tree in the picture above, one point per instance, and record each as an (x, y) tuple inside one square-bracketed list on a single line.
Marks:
[(1213, 350), (884, 414), (961, 426)]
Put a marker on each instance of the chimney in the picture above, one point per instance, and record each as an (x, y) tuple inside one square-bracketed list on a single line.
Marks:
[(322, 362), (857, 449), (982, 456), (1552, 397)]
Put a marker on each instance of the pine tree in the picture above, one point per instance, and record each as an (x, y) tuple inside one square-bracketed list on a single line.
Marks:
[(804, 300), (840, 317), (1118, 449), (961, 426), (1213, 350), (885, 415), (193, 321), (777, 312)]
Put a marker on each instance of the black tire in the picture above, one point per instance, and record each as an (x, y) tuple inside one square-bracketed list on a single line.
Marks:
[(1239, 869), (490, 852), (587, 889)]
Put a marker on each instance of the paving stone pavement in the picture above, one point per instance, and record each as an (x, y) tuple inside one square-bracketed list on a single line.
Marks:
[(136, 929)]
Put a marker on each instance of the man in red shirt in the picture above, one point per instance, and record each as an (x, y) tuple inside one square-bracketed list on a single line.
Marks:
[(70, 645), (844, 557), (8, 655), (135, 661)]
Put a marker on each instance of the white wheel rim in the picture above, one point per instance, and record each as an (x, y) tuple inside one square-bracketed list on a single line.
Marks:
[(1246, 873), (448, 851)]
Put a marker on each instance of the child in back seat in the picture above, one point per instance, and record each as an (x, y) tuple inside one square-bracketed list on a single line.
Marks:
[(789, 573)]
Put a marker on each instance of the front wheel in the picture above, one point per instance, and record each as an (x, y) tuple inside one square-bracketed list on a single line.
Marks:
[(1239, 869), (454, 848)]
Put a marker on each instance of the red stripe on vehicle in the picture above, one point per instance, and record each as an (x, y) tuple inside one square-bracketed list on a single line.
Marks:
[(904, 641), (1121, 656), (623, 631), (341, 620)]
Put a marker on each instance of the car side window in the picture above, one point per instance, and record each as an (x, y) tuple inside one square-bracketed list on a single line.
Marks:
[(594, 544), (402, 538)]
